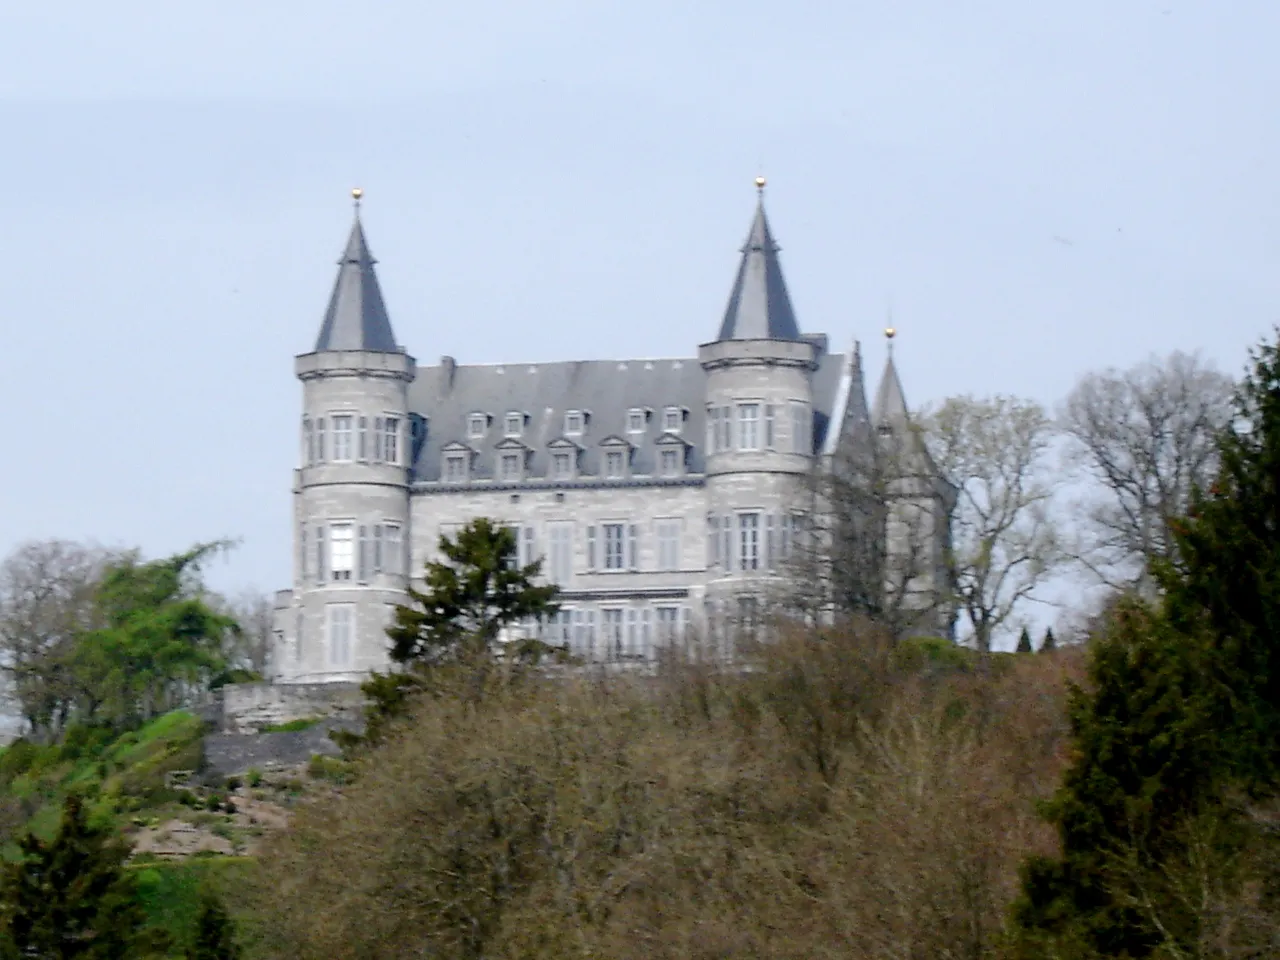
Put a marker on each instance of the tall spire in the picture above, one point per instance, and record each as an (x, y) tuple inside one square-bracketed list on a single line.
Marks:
[(759, 307), (356, 318), (890, 407)]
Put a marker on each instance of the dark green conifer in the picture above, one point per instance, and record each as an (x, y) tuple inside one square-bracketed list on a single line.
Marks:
[(72, 898), (215, 933), (1024, 642), (1050, 642)]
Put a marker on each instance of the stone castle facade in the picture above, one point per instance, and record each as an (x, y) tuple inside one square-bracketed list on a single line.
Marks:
[(663, 496)]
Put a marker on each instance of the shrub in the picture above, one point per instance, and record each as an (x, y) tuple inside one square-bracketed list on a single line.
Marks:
[(254, 777)]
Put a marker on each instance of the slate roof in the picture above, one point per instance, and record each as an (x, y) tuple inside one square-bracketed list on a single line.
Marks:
[(446, 395), (759, 306), (890, 407), (357, 317)]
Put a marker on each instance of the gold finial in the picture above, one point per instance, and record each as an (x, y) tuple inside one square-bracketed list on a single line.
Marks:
[(890, 332), (356, 194), (760, 182)]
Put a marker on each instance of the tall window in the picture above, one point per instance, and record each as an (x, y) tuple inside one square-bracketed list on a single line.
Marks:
[(668, 624), (562, 465), (341, 550), (614, 464), (308, 442), (340, 628), (713, 429), (391, 439), (343, 425), (321, 433), (560, 555), (615, 546), (455, 467), (670, 462), (612, 629), (362, 441), (726, 428), (801, 426), (748, 541), (558, 629), (511, 466), (770, 433), (748, 426), (668, 544)]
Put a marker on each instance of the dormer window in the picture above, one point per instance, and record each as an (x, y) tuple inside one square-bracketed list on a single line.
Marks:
[(669, 462), (636, 420), (614, 464), (511, 467), (514, 425), (455, 468), (573, 422), (562, 465), (672, 420), (671, 455), (477, 426)]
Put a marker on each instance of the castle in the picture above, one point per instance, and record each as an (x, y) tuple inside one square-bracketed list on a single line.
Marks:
[(663, 496)]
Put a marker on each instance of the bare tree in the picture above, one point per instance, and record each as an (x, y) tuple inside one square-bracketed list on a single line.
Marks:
[(1147, 436), (47, 598), (250, 647), (1004, 544)]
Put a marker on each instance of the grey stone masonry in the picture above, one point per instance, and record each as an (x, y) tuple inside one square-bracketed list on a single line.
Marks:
[(663, 496)]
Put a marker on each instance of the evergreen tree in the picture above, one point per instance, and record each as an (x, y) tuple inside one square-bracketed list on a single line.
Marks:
[(1049, 642), (72, 898), (215, 933), (1181, 718), (1024, 642)]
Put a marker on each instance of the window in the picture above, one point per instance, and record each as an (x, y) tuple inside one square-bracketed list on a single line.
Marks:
[(343, 425), (668, 624), (615, 546), (394, 560), (636, 421), (770, 434), (526, 546), (573, 421), (726, 428), (668, 544), (612, 629), (320, 440), (560, 559), (584, 632), (477, 425), (340, 628), (748, 426), (455, 467), (672, 420), (308, 442), (341, 550), (511, 466), (713, 429), (558, 630), (514, 425), (726, 543), (562, 465), (362, 442), (713, 541), (614, 464), (391, 440), (303, 556), (801, 424), (322, 573), (748, 541)]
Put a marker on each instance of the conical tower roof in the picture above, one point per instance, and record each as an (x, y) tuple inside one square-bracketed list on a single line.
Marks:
[(759, 305), (357, 317)]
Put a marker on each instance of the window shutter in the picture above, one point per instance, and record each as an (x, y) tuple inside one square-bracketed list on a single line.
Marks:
[(726, 531), (529, 554), (769, 412), (713, 541), (320, 565), (646, 635), (377, 439), (363, 450), (685, 624), (362, 556), (633, 547), (591, 548), (379, 560), (633, 632), (320, 452), (768, 543), (302, 554)]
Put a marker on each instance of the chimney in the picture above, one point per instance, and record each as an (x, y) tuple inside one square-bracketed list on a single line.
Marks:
[(450, 367)]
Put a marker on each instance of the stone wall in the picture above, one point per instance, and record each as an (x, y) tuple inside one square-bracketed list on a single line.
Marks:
[(248, 707)]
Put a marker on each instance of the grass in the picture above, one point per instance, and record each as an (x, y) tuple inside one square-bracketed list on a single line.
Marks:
[(170, 891), (293, 726)]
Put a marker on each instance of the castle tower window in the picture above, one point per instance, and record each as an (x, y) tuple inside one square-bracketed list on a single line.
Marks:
[(391, 440), (770, 433), (340, 622), (343, 437), (477, 426), (672, 420), (514, 425), (748, 426), (341, 551), (801, 427), (748, 541), (321, 433), (362, 442), (573, 423), (308, 442), (713, 429), (636, 421)]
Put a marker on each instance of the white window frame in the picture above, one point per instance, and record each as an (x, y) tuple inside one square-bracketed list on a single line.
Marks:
[(322, 431), (770, 426), (510, 465), (575, 423), (561, 457), (610, 453), (750, 546), (725, 442), (801, 427), (308, 442), (673, 420), (389, 447), (513, 425), (676, 455), (637, 420), (344, 436), (748, 425), (340, 633), (612, 632), (456, 458), (559, 569), (477, 425), (668, 531), (667, 622), (713, 429), (342, 551), (613, 546)]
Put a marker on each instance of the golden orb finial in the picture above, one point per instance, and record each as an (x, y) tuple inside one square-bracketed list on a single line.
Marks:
[(890, 332), (760, 182), (356, 194)]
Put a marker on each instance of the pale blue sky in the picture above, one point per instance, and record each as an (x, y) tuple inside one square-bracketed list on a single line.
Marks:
[(1038, 189)]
